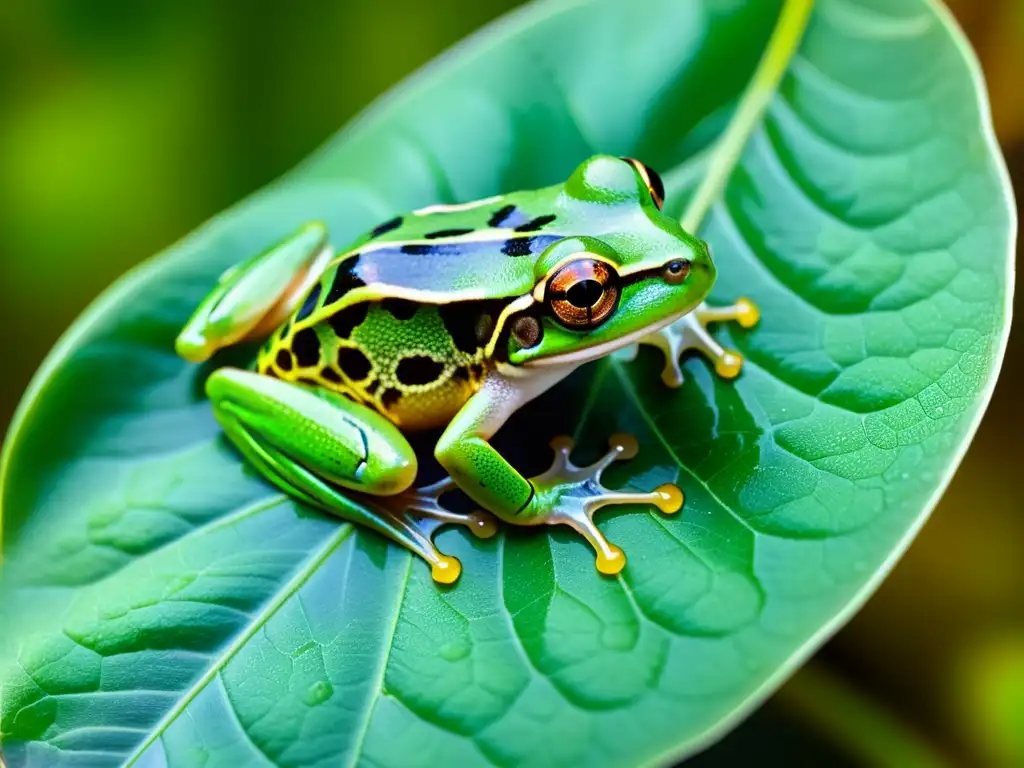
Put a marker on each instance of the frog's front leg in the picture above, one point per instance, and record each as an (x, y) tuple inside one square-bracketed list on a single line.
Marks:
[(315, 444), (691, 332), (254, 297), (564, 495)]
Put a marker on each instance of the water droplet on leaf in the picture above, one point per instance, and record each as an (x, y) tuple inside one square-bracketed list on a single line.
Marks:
[(454, 651), (319, 692)]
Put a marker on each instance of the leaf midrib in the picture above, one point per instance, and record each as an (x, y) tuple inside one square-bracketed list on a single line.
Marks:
[(755, 99)]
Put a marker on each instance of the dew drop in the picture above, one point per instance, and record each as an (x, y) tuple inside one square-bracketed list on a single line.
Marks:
[(112, 612), (318, 693), (455, 650), (104, 519), (179, 583)]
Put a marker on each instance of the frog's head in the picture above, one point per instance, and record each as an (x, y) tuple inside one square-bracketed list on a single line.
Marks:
[(628, 271)]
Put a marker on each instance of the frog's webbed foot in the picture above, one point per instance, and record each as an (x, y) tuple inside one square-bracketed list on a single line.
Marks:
[(417, 513), (570, 495), (691, 332)]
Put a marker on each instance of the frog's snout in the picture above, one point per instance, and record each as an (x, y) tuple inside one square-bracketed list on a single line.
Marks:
[(703, 267)]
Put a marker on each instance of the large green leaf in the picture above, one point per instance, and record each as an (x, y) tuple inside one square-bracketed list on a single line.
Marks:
[(163, 605)]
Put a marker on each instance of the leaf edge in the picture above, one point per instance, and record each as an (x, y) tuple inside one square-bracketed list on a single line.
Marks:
[(807, 649)]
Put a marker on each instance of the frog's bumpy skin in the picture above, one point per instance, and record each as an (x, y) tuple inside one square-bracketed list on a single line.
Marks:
[(419, 512), (577, 494), (691, 332)]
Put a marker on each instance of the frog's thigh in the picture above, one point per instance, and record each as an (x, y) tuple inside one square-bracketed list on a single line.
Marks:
[(307, 440)]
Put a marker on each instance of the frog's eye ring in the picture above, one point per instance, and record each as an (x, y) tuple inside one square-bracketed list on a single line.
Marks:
[(651, 178), (583, 293)]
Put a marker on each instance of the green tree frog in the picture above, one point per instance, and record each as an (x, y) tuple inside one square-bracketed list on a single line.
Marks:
[(455, 316)]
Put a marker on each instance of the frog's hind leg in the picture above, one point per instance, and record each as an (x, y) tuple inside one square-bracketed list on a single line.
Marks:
[(691, 332), (339, 456), (254, 297)]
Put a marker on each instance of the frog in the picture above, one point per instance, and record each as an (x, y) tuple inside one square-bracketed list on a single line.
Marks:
[(451, 318)]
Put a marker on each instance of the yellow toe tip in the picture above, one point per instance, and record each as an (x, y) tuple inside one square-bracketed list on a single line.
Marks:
[(626, 445), (482, 525), (446, 570), (728, 366), (669, 498), (672, 377), (561, 443), (611, 563), (748, 314)]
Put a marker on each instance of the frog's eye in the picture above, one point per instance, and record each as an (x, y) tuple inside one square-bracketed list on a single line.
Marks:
[(583, 293), (651, 178), (676, 271)]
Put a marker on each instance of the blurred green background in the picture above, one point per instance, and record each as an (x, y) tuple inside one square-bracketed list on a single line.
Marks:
[(125, 124)]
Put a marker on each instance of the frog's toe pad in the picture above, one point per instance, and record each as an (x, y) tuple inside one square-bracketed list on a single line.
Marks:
[(669, 499), (445, 569), (612, 562), (572, 495)]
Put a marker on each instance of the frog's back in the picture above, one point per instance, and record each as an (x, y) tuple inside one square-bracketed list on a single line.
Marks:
[(402, 320), (440, 254)]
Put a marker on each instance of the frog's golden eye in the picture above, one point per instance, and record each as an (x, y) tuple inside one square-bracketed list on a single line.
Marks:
[(675, 271), (651, 178), (583, 293)]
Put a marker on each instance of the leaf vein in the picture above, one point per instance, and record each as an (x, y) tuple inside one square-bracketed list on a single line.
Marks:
[(377, 689), (259, 620)]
